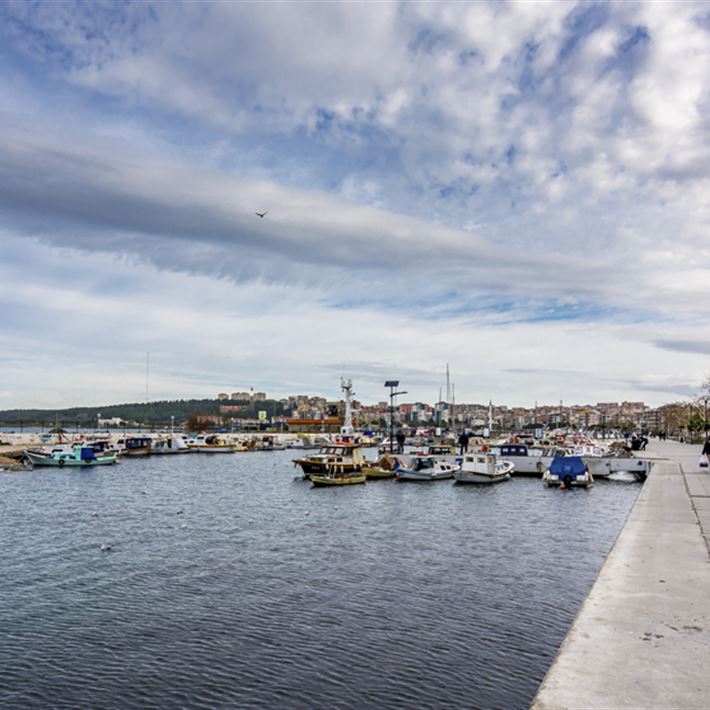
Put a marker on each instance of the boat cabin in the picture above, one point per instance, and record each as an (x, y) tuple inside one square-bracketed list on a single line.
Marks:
[(514, 450)]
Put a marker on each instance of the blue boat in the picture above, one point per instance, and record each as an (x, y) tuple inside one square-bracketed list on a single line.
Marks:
[(568, 471)]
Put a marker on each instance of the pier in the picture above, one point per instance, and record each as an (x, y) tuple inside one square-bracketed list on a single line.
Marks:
[(642, 637)]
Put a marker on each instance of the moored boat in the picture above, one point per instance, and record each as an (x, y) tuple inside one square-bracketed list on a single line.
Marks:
[(170, 445), (137, 446), (213, 444), (334, 458), (78, 456), (568, 471), (334, 478), (385, 467), (483, 468), (426, 468)]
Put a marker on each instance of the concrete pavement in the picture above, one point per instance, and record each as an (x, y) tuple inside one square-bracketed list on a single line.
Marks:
[(642, 636)]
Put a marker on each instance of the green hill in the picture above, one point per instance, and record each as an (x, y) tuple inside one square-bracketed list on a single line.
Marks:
[(152, 413)]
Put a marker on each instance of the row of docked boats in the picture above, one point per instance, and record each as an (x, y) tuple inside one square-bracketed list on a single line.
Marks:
[(345, 464), (105, 451)]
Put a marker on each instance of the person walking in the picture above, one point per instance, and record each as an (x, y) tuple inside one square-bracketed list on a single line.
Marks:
[(705, 455)]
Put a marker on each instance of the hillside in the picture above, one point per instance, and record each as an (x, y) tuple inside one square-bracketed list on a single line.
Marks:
[(141, 412)]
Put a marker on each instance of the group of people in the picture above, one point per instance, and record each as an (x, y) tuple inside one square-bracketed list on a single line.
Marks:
[(636, 443)]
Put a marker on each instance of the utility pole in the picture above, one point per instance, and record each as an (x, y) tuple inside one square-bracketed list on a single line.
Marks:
[(392, 384)]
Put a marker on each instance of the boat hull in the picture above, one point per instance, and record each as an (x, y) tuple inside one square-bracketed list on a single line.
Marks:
[(206, 449), (317, 468), (345, 480), (42, 460), (403, 475), (471, 477), (377, 472)]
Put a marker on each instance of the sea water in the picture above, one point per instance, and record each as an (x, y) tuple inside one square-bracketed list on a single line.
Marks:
[(231, 582)]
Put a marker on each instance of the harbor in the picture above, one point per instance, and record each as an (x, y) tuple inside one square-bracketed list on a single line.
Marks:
[(617, 573), (228, 579)]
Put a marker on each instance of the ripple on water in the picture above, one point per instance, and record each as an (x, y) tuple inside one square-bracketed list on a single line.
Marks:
[(280, 595)]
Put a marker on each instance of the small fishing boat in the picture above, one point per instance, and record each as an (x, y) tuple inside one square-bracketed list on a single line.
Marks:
[(137, 446), (483, 468), (78, 456), (426, 468), (337, 478), (334, 458), (268, 443), (213, 444), (170, 445), (568, 471), (385, 467)]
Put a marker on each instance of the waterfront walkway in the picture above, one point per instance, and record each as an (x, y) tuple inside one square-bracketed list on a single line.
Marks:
[(642, 637)]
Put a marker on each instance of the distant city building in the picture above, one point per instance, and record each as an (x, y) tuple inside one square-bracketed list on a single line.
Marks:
[(111, 421), (241, 396), (222, 395)]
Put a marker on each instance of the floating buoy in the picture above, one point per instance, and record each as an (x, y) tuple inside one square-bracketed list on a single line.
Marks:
[(105, 547)]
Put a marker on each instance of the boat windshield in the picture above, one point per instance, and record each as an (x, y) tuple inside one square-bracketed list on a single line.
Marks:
[(421, 464)]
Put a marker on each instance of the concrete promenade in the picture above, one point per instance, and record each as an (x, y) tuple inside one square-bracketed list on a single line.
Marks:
[(642, 636)]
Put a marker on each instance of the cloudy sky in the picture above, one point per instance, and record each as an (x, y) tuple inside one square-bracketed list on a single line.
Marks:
[(521, 190)]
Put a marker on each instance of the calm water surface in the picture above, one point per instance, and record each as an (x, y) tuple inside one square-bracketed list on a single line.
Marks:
[(265, 592)]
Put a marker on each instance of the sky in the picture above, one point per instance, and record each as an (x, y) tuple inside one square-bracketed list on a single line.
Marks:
[(517, 189)]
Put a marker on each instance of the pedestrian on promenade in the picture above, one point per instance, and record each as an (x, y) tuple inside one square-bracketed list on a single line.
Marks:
[(705, 456)]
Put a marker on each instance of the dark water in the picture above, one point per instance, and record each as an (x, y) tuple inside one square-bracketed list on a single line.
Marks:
[(280, 595)]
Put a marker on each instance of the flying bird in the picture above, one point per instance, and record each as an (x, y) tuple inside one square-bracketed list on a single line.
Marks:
[(261, 214)]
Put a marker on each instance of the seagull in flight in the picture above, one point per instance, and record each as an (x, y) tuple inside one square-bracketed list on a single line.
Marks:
[(261, 214)]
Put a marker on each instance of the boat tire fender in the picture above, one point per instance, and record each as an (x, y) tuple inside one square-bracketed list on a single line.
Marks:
[(61, 463)]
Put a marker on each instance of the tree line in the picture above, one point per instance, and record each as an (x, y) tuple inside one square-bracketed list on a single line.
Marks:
[(151, 413)]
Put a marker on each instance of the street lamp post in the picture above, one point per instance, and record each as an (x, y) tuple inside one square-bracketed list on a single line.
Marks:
[(392, 384)]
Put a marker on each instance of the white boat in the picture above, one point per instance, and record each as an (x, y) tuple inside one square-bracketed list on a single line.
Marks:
[(170, 445), (212, 444), (528, 461), (483, 468), (602, 463), (268, 443), (568, 472), (426, 468)]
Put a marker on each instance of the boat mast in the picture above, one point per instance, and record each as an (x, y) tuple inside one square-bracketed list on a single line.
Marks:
[(347, 428)]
